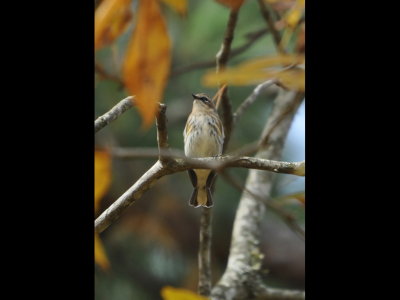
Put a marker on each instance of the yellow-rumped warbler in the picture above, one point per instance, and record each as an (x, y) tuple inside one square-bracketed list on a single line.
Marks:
[(203, 137)]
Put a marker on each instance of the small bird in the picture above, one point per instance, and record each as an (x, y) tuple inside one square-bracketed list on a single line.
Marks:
[(203, 137)]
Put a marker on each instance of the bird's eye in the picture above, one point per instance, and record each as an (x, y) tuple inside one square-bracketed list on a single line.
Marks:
[(204, 99)]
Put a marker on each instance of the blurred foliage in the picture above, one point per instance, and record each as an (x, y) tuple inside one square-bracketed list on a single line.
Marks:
[(258, 70), (147, 60), (154, 243), (170, 293), (102, 172)]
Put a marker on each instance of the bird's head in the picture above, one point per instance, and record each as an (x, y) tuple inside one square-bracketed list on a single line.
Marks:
[(202, 101)]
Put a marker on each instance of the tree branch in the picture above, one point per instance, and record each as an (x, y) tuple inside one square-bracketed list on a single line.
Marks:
[(245, 258), (264, 139), (222, 59), (204, 253), (162, 133), (225, 50), (159, 170), (252, 38), (271, 26), (288, 218), (262, 292), (181, 163), (204, 287), (113, 113), (112, 213), (252, 98)]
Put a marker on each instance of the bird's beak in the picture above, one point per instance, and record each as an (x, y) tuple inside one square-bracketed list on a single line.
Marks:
[(194, 96)]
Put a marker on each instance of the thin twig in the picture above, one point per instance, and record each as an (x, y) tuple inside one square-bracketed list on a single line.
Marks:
[(227, 118), (271, 25), (287, 217), (250, 99), (289, 110), (113, 113), (264, 140), (162, 133), (204, 253), (221, 60), (225, 50), (263, 292), (252, 38)]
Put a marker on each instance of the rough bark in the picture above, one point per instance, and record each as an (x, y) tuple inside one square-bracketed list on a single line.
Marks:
[(245, 257)]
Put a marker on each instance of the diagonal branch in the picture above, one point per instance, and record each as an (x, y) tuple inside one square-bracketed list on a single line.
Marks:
[(245, 258), (252, 38), (225, 50), (159, 170), (288, 218), (271, 25), (112, 213), (181, 164), (113, 113), (252, 98)]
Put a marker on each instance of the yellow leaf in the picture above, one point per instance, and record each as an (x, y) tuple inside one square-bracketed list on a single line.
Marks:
[(293, 79), (111, 19), (171, 293), (294, 15), (180, 6), (258, 70), (233, 4), (99, 254), (147, 60), (102, 175)]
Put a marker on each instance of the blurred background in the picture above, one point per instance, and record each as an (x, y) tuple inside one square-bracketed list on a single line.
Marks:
[(155, 242)]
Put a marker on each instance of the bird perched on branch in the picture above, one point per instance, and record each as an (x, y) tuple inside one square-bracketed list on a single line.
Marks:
[(203, 137)]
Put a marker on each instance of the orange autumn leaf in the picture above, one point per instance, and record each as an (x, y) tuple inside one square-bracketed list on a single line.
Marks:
[(147, 60), (233, 4), (102, 175), (171, 293), (111, 19), (100, 256), (258, 70), (180, 6), (102, 180)]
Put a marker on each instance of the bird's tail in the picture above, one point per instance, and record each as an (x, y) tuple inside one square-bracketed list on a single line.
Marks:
[(201, 196)]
